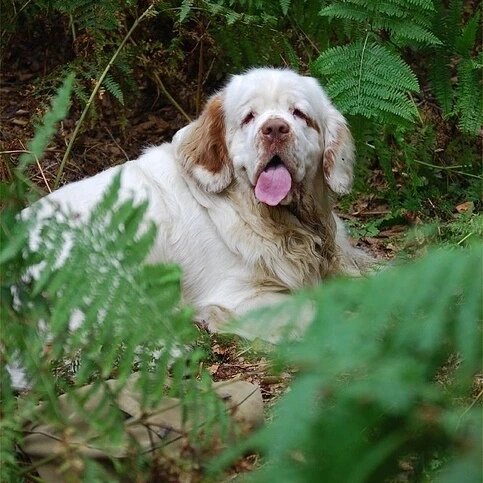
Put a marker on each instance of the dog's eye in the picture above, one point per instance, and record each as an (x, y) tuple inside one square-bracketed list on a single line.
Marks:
[(248, 118), (298, 113)]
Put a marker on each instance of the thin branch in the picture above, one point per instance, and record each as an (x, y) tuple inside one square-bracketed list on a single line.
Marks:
[(117, 144), (448, 168), (170, 98), (42, 173), (94, 93), (360, 70)]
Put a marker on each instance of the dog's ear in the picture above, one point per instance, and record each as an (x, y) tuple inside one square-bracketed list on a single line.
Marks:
[(338, 155), (201, 148)]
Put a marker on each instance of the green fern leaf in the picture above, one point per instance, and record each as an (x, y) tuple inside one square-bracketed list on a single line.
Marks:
[(367, 366), (45, 132), (113, 88), (440, 77), (185, 9), (469, 98), (466, 41), (285, 5), (368, 79), (406, 21)]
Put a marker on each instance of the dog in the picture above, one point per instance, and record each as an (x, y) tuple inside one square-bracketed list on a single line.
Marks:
[(242, 197)]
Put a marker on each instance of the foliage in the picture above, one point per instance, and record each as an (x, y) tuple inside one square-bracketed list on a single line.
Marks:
[(383, 62), (57, 272), (369, 391), (369, 91), (458, 49), (407, 76)]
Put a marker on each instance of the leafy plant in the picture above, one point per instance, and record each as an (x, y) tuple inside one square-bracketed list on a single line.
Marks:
[(82, 301), (368, 392), (369, 90), (464, 100)]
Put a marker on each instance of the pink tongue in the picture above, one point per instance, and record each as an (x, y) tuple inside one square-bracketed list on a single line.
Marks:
[(273, 185)]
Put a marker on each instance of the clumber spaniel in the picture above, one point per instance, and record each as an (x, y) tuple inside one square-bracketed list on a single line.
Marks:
[(242, 196)]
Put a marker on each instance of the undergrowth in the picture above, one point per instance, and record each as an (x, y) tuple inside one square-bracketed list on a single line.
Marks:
[(368, 396), (406, 74)]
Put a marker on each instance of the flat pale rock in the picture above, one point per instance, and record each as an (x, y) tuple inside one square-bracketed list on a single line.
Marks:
[(161, 427)]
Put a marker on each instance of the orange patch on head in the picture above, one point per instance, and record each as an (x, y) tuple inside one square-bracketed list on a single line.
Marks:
[(206, 145), (204, 154)]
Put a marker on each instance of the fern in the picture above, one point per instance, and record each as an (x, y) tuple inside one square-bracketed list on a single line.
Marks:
[(113, 88), (406, 21), (464, 101), (285, 5), (46, 131), (440, 77), (366, 370), (469, 100), (131, 318), (368, 79)]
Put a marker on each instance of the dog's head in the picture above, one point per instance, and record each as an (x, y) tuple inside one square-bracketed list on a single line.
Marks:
[(272, 129)]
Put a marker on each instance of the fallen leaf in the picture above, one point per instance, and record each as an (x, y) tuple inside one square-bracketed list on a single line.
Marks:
[(20, 122), (465, 207)]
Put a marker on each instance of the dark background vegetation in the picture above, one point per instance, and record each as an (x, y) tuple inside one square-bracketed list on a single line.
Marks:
[(419, 162)]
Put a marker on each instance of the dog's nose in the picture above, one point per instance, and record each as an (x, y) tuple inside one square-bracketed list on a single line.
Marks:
[(275, 129)]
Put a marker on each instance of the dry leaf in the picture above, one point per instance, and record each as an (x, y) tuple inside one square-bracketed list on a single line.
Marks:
[(465, 207)]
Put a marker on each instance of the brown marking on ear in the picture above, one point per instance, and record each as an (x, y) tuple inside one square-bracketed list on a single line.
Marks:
[(338, 159), (328, 162), (205, 145)]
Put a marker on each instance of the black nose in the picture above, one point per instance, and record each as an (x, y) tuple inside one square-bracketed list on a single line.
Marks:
[(275, 129)]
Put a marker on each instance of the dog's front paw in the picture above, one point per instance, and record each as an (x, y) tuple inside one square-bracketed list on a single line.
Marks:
[(213, 317)]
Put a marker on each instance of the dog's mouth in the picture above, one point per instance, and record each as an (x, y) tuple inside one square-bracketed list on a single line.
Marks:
[(274, 182)]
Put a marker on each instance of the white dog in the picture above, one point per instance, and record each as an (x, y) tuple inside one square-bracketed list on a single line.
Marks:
[(242, 196)]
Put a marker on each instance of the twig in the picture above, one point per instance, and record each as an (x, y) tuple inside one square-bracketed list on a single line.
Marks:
[(416, 107), (42, 173), (200, 73), (117, 144), (465, 238), (475, 400), (94, 93), (170, 98), (72, 26), (38, 463), (449, 168), (38, 165)]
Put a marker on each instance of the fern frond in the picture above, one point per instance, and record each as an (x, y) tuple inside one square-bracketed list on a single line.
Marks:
[(466, 41), (185, 9), (440, 77), (407, 21), (469, 98), (367, 368), (46, 131), (113, 88), (368, 79), (285, 5)]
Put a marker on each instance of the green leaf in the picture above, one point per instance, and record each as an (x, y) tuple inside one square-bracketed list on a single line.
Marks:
[(368, 79), (46, 130)]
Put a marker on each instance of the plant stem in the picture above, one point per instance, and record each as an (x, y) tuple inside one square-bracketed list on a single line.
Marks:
[(450, 168), (94, 93), (171, 98)]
